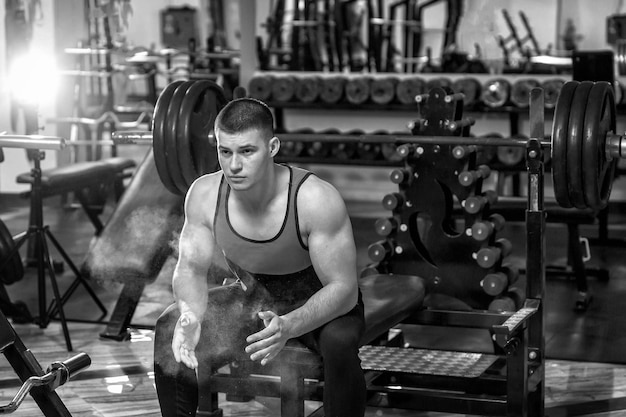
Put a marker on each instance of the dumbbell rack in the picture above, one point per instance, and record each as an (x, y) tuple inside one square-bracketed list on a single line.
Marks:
[(512, 382), (439, 188)]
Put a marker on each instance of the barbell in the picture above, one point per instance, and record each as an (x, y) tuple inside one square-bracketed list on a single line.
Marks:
[(584, 147)]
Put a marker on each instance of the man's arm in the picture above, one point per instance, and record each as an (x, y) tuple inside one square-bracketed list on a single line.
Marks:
[(333, 254), (195, 249), (196, 243)]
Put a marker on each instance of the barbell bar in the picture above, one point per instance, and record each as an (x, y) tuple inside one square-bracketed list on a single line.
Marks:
[(32, 142), (615, 144), (584, 146)]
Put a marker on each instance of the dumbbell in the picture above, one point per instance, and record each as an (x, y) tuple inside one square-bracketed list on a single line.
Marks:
[(511, 156), (369, 151), (520, 92), (407, 150), (379, 251), (470, 88), (389, 151), (260, 87), (496, 93), (474, 204), (385, 226), (551, 89), (332, 89), (393, 201), (486, 154), (308, 89), (408, 88), (401, 176), (484, 229), (357, 89), (284, 88), (467, 178), (497, 282), (383, 90), (488, 256), (510, 301), (462, 151), (293, 148), (370, 269)]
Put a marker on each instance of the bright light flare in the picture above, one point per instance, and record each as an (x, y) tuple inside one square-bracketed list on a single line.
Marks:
[(33, 78)]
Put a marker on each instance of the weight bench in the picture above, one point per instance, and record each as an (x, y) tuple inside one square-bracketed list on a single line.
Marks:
[(81, 178), (296, 373), (513, 209), (135, 243)]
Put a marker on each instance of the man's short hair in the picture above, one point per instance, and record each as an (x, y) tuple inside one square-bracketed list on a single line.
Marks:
[(245, 114)]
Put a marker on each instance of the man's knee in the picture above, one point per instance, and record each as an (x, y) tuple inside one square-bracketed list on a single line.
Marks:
[(337, 341)]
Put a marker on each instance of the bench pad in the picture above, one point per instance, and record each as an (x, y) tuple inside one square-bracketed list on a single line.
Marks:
[(79, 175)]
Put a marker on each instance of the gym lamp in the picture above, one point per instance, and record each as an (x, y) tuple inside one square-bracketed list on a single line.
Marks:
[(33, 78)]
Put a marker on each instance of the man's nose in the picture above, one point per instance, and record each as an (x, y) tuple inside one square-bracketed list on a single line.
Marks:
[(235, 162)]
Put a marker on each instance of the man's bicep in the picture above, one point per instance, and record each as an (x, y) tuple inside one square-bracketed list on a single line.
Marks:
[(332, 247), (196, 245)]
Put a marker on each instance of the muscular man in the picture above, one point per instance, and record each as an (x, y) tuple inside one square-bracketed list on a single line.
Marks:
[(287, 237)]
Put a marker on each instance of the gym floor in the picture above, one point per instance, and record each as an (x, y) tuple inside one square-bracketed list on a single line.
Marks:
[(586, 356)]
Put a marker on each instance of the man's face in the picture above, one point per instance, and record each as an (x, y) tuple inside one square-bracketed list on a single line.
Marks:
[(243, 157)]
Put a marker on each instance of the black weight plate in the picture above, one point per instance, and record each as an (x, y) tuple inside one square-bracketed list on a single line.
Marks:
[(598, 172), (197, 150), (159, 124), (183, 138), (212, 103), (560, 124), (170, 137), (575, 144)]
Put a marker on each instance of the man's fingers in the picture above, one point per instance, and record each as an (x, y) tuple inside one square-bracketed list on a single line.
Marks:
[(269, 357), (261, 354), (188, 358), (260, 335), (261, 344)]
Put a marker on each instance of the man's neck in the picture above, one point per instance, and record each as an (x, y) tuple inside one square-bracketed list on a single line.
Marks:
[(263, 193)]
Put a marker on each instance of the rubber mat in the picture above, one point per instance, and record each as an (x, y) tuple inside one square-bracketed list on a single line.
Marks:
[(425, 361)]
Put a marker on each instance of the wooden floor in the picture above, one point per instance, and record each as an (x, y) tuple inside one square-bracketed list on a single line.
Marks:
[(120, 381)]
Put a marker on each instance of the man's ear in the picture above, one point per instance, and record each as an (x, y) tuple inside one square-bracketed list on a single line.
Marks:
[(274, 146)]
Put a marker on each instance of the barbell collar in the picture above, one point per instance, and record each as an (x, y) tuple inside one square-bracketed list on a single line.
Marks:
[(615, 146), (130, 137)]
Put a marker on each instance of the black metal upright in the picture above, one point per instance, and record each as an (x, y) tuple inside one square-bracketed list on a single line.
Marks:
[(535, 252), (39, 233)]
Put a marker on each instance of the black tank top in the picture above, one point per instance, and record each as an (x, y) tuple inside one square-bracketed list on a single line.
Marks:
[(282, 263)]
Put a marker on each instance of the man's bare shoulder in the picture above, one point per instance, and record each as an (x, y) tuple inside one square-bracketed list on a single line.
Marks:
[(318, 199), (208, 183), (202, 195)]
